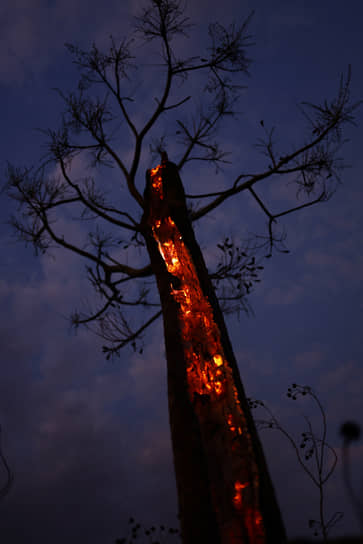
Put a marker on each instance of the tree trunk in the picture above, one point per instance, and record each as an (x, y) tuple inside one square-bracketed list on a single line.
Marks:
[(224, 489)]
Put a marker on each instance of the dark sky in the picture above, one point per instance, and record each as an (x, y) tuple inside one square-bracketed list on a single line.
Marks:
[(88, 439)]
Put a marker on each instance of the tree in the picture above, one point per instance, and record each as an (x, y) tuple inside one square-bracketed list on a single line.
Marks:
[(224, 488)]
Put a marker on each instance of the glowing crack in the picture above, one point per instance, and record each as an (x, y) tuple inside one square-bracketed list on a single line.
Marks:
[(210, 379)]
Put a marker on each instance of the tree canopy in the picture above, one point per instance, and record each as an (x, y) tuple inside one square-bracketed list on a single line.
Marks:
[(102, 113)]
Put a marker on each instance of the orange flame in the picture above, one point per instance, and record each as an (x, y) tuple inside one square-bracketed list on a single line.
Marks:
[(208, 372), (237, 499)]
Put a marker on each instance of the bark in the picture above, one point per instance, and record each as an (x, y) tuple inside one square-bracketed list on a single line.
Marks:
[(224, 488)]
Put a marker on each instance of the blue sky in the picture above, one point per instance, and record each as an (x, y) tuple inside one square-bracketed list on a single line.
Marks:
[(88, 439)]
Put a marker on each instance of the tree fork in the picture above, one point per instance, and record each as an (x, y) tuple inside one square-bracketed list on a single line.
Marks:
[(224, 488)]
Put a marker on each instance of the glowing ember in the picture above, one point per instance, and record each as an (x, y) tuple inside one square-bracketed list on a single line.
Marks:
[(157, 182), (230, 422), (237, 499), (210, 380), (218, 360)]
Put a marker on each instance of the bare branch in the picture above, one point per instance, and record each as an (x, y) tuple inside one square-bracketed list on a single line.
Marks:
[(38, 196), (77, 320), (34, 235), (315, 160), (321, 198), (200, 135), (235, 274), (165, 13), (97, 67), (89, 115), (273, 217), (162, 19), (101, 281), (116, 330), (93, 205), (227, 52), (177, 104), (114, 300)]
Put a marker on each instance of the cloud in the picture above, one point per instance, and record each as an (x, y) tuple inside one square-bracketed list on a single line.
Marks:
[(310, 360), (287, 295), (33, 33), (347, 376), (347, 269)]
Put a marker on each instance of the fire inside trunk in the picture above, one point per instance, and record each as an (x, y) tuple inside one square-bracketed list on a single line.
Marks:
[(221, 474)]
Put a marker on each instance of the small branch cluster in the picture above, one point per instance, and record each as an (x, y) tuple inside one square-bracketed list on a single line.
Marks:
[(198, 140), (234, 277), (110, 321), (96, 66), (152, 535), (162, 19)]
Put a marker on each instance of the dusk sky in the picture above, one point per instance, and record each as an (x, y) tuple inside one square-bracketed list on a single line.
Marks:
[(88, 440)]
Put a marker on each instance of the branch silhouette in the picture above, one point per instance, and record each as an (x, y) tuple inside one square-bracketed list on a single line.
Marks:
[(314, 454), (99, 115)]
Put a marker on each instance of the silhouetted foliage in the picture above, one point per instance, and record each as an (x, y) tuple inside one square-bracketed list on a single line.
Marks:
[(315, 456), (99, 115), (155, 534)]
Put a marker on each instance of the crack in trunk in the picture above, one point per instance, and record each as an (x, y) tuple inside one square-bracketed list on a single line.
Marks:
[(224, 488)]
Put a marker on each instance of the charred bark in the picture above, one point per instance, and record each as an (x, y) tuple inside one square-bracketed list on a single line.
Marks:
[(224, 488)]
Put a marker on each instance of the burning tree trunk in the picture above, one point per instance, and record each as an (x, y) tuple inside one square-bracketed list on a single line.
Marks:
[(224, 488)]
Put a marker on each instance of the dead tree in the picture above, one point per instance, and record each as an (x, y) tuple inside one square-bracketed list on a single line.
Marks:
[(224, 489)]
